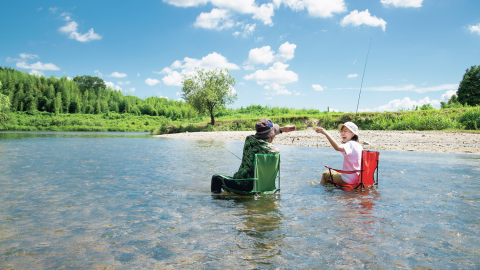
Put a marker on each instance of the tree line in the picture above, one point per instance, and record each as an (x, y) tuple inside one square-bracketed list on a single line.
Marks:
[(83, 94)]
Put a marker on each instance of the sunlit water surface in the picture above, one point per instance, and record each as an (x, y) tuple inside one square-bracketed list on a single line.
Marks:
[(127, 200)]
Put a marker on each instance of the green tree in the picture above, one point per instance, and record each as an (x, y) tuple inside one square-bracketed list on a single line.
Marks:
[(58, 103), (86, 82), (4, 104), (209, 90), (469, 88), (426, 107), (452, 103)]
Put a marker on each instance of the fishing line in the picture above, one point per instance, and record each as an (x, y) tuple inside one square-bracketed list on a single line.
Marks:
[(363, 76), (230, 152)]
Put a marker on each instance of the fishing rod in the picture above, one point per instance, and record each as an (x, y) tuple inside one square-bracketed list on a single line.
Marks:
[(230, 152), (363, 77)]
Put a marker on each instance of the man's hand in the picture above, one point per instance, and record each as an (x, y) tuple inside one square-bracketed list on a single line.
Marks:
[(288, 128), (321, 130)]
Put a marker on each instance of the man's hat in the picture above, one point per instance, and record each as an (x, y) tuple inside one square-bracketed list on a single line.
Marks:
[(266, 129)]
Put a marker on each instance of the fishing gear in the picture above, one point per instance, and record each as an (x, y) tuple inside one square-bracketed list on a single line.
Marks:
[(230, 152), (363, 77)]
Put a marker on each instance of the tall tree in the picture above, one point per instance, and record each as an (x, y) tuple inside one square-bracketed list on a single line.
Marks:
[(209, 90), (4, 104), (86, 82), (469, 88)]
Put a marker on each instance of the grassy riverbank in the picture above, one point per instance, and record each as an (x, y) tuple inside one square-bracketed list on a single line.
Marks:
[(464, 119), (44, 121), (453, 119)]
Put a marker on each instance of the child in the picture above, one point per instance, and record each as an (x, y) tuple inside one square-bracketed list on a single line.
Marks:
[(352, 153)]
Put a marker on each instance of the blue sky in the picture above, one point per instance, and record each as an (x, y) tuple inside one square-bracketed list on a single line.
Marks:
[(288, 53)]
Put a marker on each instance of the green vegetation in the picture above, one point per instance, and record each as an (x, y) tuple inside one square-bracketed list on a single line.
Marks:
[(207, 91), (33, 103), (469, 88), (46, 121), (82, 95), (245, 119)]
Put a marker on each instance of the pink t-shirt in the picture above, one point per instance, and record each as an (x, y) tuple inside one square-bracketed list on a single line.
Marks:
[(352, 161)]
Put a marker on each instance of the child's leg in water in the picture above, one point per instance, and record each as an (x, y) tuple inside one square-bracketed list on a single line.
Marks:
[(337, 177)]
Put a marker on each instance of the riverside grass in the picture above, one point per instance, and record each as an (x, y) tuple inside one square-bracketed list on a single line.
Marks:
[(462, 119), (452, 120), (45, 121)]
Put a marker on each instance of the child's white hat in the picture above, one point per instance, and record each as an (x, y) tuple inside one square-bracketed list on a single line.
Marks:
[(351, 126)]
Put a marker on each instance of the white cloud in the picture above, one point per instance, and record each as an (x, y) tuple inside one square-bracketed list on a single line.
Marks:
[(117, 75), (277, 89), (138, 74), (258, 39), (178, 93), (298, 93), (248, 30), (98, 73), (38, 66), (265, 55), (275, 74), (315, 8), (36, 72), (122, 83), (110, 84), (180, 100), (406, 103), (356, 18), (232, 90), (282, 37), (285, 52), (151, 81), (217, 19), (53, 9), (318, 87), (71, 30), (448, 95), (263, 12), (352, 75), (410, 87), (275, 77), (28, 56), (188, 65), (324, 8), (268, 98), (474, 28), (132, 89), (174, 78), (402, 3)]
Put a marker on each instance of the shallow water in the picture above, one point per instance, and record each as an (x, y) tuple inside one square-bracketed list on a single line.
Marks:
[(127, 200)]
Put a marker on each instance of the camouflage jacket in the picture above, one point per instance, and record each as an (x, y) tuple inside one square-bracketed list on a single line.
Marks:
[(252, 146)]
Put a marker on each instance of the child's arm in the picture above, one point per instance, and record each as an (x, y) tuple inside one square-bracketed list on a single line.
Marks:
[(332, 142)]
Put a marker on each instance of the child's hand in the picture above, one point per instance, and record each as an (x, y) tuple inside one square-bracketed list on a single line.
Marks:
[(321, 130), (289, 128)]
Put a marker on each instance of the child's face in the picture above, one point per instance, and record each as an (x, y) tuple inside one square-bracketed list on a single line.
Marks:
[(346, 134)]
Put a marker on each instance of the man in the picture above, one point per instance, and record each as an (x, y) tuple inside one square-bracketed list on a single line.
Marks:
[(260, 143)]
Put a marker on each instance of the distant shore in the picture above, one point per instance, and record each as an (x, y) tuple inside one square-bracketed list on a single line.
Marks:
[(424, 141)]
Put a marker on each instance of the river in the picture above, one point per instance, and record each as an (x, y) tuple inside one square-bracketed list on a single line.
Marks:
[(127, 200)]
